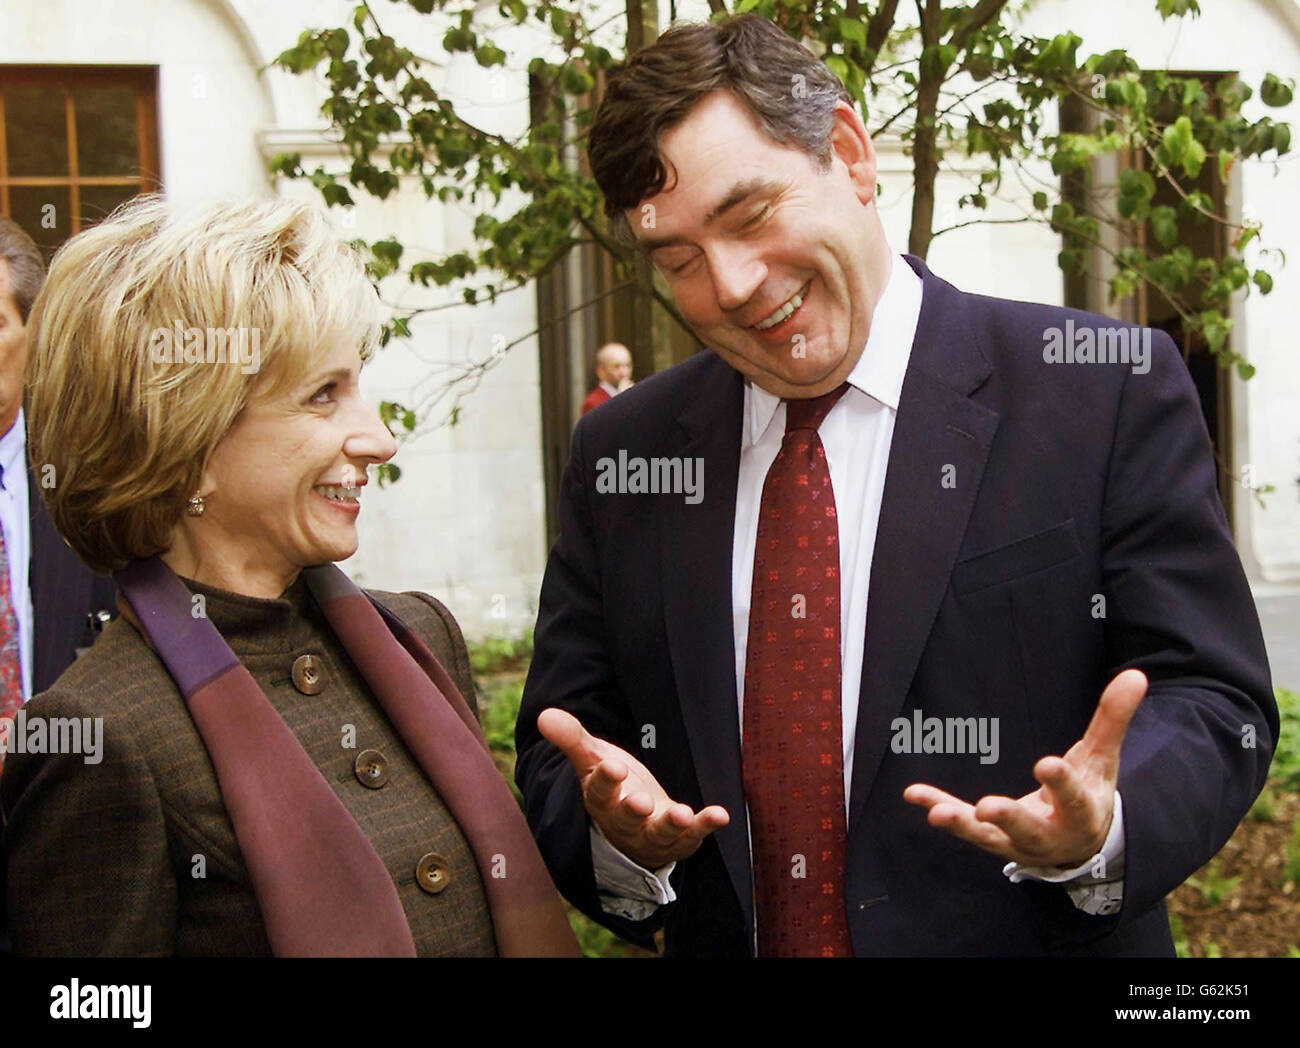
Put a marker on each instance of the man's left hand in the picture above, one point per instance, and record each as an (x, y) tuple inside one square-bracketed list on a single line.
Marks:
[(1065, 821)]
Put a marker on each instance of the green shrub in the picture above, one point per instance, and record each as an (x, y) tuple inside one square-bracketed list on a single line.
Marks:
[(1291, 867), (1285, 770)]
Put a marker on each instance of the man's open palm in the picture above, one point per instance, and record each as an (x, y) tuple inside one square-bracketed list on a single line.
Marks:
[(625, 800), (1065, 821)]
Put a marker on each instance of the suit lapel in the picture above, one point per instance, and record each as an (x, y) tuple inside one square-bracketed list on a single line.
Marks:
[(921, 522), (43, 580), (696, 551)]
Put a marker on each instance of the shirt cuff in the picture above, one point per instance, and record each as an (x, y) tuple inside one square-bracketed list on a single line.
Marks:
[(626, 888), (1096, 885)]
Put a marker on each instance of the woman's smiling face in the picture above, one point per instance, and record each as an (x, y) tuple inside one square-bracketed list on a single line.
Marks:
[(773, 262), (283, 487)]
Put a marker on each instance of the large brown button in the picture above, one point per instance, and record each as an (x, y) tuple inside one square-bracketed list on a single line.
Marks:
[(431, 873), (308, 674), (371, 767)]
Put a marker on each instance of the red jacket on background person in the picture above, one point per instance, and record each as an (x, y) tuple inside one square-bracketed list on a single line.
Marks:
[(596, 397)]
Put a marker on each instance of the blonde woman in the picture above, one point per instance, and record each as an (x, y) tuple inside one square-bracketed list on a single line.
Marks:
[(286, 766)]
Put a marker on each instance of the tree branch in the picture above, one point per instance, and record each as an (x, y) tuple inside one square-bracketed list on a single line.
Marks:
[(925, 157), (981, 15), (878, 28)]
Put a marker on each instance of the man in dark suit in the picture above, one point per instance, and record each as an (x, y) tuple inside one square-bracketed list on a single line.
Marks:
[(56, 605), (69, 604), (1015, 550)]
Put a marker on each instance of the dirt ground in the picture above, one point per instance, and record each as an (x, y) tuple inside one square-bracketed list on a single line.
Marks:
[(1260, 915)]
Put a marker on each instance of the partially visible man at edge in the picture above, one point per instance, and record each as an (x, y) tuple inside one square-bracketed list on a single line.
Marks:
[(715, 732), (51, 605), (59, 605)]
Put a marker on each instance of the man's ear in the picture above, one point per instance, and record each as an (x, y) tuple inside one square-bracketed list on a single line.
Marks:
[(852, 146)]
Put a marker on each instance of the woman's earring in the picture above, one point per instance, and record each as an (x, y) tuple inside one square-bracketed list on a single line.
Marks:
[(195, 506)]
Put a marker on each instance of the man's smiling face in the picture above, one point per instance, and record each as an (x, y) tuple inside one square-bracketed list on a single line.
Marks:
[(775, 263)]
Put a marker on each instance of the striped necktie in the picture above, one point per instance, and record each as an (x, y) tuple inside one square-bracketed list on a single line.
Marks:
[(11, 668)]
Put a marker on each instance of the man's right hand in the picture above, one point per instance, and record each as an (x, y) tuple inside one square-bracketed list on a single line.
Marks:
[(625, 800)]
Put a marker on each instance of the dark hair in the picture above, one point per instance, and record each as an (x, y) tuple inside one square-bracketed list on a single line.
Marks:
[(790, 92), (26, 267)]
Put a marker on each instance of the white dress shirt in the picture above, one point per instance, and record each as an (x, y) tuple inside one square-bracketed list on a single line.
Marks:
[(857, 435), (16, 523)]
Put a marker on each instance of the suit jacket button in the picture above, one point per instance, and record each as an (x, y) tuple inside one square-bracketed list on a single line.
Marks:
[(371, 767), (308, 674), (431, 873)]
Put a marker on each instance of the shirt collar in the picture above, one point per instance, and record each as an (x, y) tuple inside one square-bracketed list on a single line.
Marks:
[(879, 371), (13, 447)]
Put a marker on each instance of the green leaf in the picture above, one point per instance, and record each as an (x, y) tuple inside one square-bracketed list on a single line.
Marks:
[(1227, 158), (1215, 328), (489, 55), (336, 195), (853, 31), (575, 81), (1137, 183), (1177, 139), (1040, 201), (1164, 223), (1263, 281), (457, 39), (1170, 8), (1274, 92)]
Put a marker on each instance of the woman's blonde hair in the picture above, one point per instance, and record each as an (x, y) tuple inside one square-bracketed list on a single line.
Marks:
[(122, 418)]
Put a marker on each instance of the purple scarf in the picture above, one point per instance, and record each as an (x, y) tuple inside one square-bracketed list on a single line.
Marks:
[(300, 834)]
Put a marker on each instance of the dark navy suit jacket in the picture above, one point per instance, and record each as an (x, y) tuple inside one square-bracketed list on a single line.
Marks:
[(65, 596), (1071, 481)]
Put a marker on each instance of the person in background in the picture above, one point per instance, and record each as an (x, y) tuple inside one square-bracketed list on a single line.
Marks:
[(613, 372), (51, 605), (282, 764)]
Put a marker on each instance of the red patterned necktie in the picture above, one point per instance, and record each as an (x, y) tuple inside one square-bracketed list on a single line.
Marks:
[(793, 757), (11, 669)]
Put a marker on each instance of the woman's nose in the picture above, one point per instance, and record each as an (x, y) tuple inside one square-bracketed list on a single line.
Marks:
[(371, 439)]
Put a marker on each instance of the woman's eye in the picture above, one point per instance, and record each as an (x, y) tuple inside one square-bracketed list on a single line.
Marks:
[(323, 395), (757, 217)]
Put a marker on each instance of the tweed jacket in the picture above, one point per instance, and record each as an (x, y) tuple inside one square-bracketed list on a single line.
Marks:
[(136, 855)]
